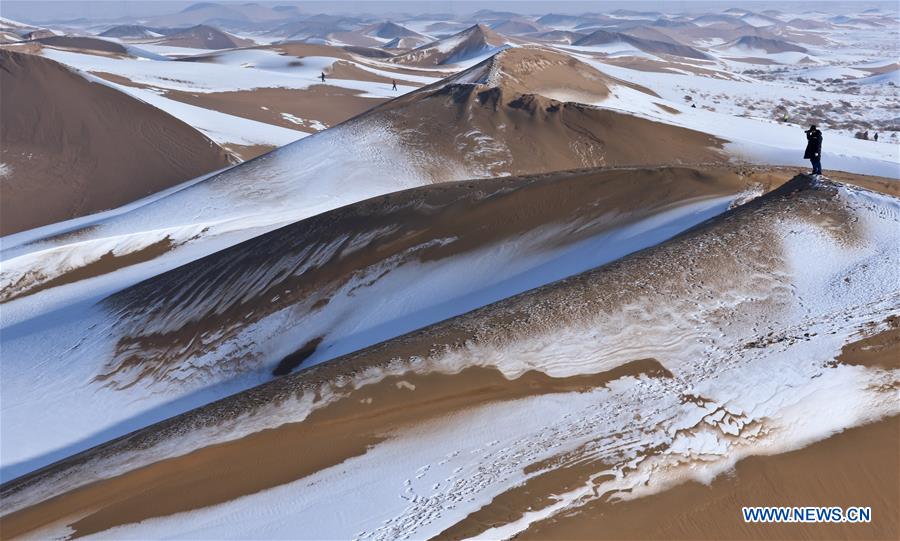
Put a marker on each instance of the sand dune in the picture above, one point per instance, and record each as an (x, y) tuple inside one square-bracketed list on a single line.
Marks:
[(471, 43), (325, 440), (766, 45), (408, 228), (254, 99), (722, 310), (492, 119), (134, 31), (204, 37), (533, 290), (333, 274), (603, 37), (519, 112), (84, 44), (79, 147)]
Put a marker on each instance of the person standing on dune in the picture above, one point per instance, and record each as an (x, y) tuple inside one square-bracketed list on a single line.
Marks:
[(322, 75), (814, 149), (394, 83)]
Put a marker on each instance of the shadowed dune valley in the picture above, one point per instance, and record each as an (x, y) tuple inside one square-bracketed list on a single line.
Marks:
[(475, 270)]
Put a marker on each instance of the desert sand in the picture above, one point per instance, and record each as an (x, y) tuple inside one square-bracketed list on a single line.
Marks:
[(857, 467), (79, 147)]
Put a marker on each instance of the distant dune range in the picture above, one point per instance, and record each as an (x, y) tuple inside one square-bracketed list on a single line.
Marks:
[(72, 147), (203, 37)]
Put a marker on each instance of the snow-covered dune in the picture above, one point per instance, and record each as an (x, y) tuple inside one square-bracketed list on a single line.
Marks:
[(464, 48), (324, 287), (468, 126), (667, 365), (69, 144)]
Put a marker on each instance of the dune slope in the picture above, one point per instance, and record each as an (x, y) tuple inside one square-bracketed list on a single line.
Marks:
[(665, 366), (490, 120), (326, 286), (79, 147)]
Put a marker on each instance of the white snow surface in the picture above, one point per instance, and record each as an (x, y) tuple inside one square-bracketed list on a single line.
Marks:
[(227, 72), (752, 139)]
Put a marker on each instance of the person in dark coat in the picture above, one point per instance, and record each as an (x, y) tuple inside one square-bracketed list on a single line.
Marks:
[(814, 149), (322, 76)]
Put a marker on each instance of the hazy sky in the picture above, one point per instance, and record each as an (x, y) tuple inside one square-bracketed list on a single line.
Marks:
[(50, 10)]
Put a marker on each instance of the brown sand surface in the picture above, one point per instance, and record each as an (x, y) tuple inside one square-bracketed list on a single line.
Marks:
[(325, 103), (343, 429), (887, 186), (666, 108), (247, 152), (346, 70), (204, 37), (73, 147), (887, 68), (107, 263), (559, 477), (858, 467), (880, 350), (541, 135), (85, 44), (507, 125), (328, 104)]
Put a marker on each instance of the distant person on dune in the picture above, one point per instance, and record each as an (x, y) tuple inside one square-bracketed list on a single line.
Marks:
[(322, 75), (394, 83), (814, 149), (876, 137)]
